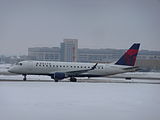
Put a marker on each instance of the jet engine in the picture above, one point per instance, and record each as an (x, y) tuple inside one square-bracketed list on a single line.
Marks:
[(58, 76)]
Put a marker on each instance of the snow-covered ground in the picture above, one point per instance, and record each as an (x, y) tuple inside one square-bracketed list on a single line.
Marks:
[(29, 77), (42, 78), (138, 75), (79, 101)]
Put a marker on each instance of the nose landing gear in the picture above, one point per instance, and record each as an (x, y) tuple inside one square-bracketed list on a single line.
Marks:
[(25, 78)]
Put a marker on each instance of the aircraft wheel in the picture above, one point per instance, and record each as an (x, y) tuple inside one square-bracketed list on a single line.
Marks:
[(73, 79), (56, 80), (25, 78), (128, 78)]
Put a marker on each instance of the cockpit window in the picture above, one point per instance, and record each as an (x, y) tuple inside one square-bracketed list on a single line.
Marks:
[(19, 64)]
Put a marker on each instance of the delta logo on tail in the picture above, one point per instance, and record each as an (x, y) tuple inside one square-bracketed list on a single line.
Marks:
[(129, 58)]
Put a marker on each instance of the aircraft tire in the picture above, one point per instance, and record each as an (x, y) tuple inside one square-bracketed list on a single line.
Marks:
[(56, 80), (73, 79), (128, 78), (25, 78)]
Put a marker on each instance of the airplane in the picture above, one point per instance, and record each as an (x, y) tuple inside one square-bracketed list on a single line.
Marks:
[(4, 69), (60, 70)]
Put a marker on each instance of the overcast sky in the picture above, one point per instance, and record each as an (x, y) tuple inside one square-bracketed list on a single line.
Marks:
[(95, 23)]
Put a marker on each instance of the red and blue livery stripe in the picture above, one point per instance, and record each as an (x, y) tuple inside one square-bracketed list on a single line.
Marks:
[(129, 58)]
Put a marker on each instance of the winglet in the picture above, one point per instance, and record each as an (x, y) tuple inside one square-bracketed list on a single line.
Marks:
[(94, 66), (129, 58)]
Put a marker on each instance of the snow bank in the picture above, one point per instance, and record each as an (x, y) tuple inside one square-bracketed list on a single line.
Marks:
[(79, 101)]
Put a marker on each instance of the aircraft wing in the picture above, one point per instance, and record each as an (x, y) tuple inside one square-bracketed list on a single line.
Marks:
[(77, 72)]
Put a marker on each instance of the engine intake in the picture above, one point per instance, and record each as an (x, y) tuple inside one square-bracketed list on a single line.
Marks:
[(58, 75)]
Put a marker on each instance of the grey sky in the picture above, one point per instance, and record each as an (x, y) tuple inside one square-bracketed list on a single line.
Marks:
[(95, 23)]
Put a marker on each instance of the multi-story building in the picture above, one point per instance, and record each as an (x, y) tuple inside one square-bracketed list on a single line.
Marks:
[(110, 55), (150, 60), (69, 48), (98, 55), (44, 53)]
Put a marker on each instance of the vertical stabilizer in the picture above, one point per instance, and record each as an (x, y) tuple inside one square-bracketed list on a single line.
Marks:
[(129, 58)]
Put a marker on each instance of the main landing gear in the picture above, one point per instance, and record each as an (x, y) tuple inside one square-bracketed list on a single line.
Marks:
[(73, 79), (25, 78), (55, 80)]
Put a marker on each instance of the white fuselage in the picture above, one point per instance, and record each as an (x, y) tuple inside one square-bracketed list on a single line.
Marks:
[(61, 70), (49, 68)]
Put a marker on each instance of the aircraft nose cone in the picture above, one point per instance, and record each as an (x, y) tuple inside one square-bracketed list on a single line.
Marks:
[(12, 70)]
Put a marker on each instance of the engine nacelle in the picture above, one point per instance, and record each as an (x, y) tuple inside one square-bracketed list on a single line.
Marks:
[(58, 76)]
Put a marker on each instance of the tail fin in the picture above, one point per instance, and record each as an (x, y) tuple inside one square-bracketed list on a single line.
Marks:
[(129, 58)]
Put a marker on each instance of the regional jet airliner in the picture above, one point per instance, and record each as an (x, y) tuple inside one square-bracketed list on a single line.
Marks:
[(60, 70)]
